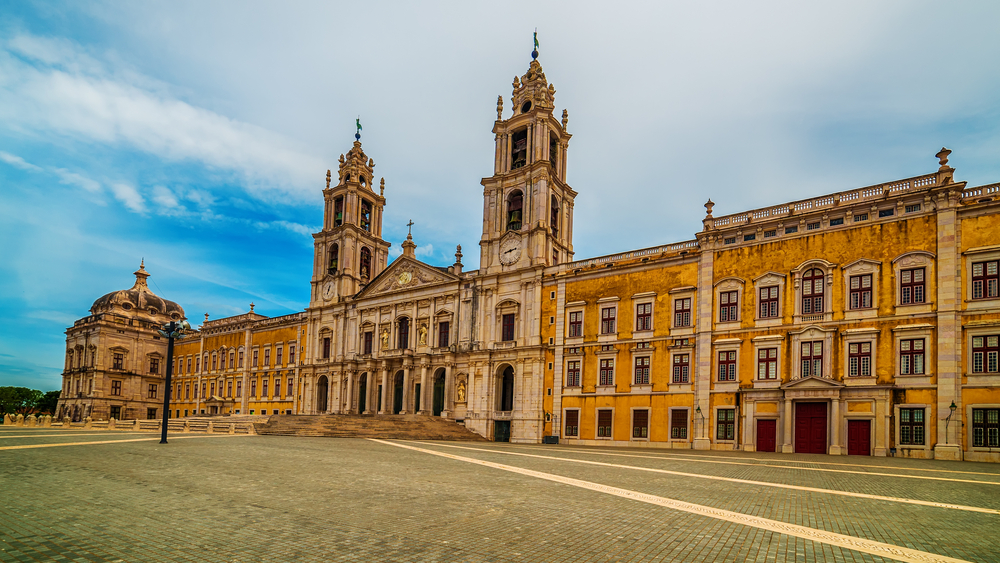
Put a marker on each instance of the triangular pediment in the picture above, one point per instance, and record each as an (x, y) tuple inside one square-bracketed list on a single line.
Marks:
[(405, 274), (812, 383)]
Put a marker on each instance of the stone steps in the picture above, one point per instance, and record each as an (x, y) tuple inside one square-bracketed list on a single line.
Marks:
[(396, 427)]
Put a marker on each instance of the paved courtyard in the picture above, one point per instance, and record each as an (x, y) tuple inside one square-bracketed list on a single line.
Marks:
[(121, 496)]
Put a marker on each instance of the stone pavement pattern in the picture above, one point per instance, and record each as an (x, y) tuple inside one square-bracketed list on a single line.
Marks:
[(273, 498)]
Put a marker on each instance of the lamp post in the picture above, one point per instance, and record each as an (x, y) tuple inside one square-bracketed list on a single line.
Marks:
[(947, 421), (171, 331)]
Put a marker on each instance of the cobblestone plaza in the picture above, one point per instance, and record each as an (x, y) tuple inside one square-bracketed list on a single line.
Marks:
[(122, 496)]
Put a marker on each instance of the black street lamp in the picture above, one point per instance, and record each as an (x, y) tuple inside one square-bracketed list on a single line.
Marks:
[(947, 421), (170, 331)]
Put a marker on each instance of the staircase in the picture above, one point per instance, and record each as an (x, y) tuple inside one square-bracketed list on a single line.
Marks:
[(394, 427)]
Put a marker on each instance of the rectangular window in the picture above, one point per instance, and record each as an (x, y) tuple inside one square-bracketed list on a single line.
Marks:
[(444, 336), (861, 291), (859, 359), (154, 365), (116, 412), (767, 363), (253, 387), (835, 222), (607, 372), (682, 312), (291, 387), (212, 392), (749, 237), (812, 359), (572, 423), (768, 302), (911, 286), (771, 233), (118, 361), (189, 365), (326, 348), (608, 320), (573, 373), (812, 292), (642, 370), (985, 350), (729, 240), (267, 357), (203, 389), (678, 424), (291, 354), (640, 423), (215, 360), (986, 280), (604, 423), (239, 388), (644, 316), (861, 217), (727, 365), (790, 230), (254, 363), (913, 208), (682, 369), (911, 356), (369, 343), (911, 427), (886, 212), (229, 388), (728, 301), (187, 390), (986, 428), (239, 363), (508, 327), (263, 387), (151, 414), (277, 356), (725, 424), (812, 226), (152, 391), (576, 324), (116, 387), (277, 387)]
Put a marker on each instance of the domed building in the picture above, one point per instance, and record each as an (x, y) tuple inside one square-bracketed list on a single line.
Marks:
[(115, 359)]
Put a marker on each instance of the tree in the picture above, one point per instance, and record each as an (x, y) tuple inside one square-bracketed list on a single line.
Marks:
[(47, 404), (19, 400)]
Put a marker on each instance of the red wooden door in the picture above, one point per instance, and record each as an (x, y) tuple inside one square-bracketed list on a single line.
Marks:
[(767, 431), (810, 428), (859, 437)]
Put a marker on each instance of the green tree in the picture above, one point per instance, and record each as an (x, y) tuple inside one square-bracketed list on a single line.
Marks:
[(19, 400), (47, 404)]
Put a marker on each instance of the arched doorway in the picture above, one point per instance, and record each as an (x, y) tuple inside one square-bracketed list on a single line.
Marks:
[(322, 390), (506, 394), (438, 393), (363, 393), (397, 393)]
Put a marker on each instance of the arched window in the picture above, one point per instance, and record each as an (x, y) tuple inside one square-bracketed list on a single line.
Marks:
[(403, 333), (366, 215), (519, 144), (507, 390), (554, 218), (812, 292), (366, 264), (515, 201), (553, 151), (334, 258), (338, 212)]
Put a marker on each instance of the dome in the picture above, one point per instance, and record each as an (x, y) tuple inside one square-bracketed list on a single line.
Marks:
[(138, 300)]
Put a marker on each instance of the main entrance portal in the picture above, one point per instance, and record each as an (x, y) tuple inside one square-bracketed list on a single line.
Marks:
[(859, 434), (810, 428)]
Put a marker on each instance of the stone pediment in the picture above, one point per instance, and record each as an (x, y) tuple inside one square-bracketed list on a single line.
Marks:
[(812, 383), (405, 274)]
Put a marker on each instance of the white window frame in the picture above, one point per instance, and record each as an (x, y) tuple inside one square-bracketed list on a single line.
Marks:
[(768, 280), (857, 336), (811, 334), (862, 267), (726, 345), (566, 386), (726, 285), (828, 268), (767, 341), (605, 355), (647, 298), (988, 379), (910, 332), (979, 254), (908, 261), (641, 353)]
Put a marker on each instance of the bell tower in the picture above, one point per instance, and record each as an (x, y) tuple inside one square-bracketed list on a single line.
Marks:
[(349, 251), (528, 207)]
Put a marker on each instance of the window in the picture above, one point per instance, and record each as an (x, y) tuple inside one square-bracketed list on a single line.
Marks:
[(290, 381), (334, 258), (365, 264), (837, 221), (255, 352), (366, 215), (729, 240), (986, 428), (326, 350), (678, 424), (291, 354), (554, 216), (152, 391), (886, 212), (214, 362), (116, 412), (768, 302), (984, 353), (985, 280), (728, 301), (118, 361), (861, 291), (682, 369), (212, 392), (369, 342), (239, 388), (725, 424), (229, 388), (507, 332), (444, 338), (608, 320), (151, 414), (913, 208), (790, 230), (812, 292), (727, 365), (859, 359), (154, 365), (862, 217), (682, 312), (232, 360), (576, 324), (767, 363), (604, 423), (771, 233), (573, 373), (642, 370), (514, 203), (911, 286), (253, 387), (203, 388), (403, 336), (263, 387), (338, 212), (116, 387), (267, 357), (911, 356), (277, 356), (572, 423), (640, 423), (911, 427), (812, 226), (749, 237), (189, 365), (812, 359), (607, 374), (644, 316), (277, 387)]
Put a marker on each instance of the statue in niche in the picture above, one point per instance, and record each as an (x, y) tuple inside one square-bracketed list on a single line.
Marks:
[(460, 392), (384, 338), (422, 335)]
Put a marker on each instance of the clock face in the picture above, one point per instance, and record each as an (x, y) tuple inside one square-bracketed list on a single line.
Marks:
[(405, 278), (328, 290), (510, 251)]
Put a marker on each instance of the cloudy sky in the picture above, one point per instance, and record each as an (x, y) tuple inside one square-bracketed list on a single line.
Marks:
[(197, 135)]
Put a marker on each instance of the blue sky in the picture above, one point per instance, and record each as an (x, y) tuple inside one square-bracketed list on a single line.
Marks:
[(197, 135)]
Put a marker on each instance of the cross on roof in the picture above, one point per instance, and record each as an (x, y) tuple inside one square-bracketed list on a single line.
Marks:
[(409, 228)]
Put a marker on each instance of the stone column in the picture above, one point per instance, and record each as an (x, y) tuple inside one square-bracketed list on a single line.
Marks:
[(370, 392), (787, 447), (881, 431), (385, 390), (836, 420), (330, 388), (423, 390), (449, 392), (949, 329), (349, 406), (407, 400), (749, 440)]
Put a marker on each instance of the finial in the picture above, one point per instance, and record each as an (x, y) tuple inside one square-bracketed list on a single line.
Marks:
[(517, 82), (458, 254), (206, 317), (357, 122), (381, 187), (328, 179), (142, 261), (341, 158), (565, 119), (251, 306), (708, 208), (943, 158), (371, 163), (409, 230), (499, 107), (534, 52)]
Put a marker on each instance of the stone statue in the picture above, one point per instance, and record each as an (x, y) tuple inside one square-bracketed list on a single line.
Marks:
[(384, 337), (460, 392), (422, 334)]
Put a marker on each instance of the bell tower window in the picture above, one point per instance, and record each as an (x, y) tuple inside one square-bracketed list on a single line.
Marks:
[(366, 215), (334, 258), (366, 264), (553, 151), (338, 212), (515, 201), (520, 145), (554, 219)]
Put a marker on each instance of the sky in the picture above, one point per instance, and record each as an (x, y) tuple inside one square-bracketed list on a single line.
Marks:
[(197, 135)]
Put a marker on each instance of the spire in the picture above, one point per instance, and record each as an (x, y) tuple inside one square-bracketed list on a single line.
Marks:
[(140, 277), (408, 245), (534, 52), (357, 135)]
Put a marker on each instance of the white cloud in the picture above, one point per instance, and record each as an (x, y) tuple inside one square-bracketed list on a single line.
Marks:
[(17, 162), (424, 250), (128, 195), (76, 179), (164, 197)]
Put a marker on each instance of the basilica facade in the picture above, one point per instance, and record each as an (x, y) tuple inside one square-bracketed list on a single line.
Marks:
[(861, 322)]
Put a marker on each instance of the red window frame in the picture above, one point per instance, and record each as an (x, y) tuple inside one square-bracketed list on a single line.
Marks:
[(682, 312), (768, 302), (444, 336), (861, 291), (152, 391), (812, 291), (154, 365), (575, 324), (912, 286), (263, 387), (403, 333), (507, 329), (727, 365), (912, 358), (986, 279), (608, 320), (729, 306), (267, 358), (859, 359), (239, 388), (678, 424), (640, 423), (985, 352), (368, 344), (232, 360), (605, 419), (607, 372), (253, 388), (811, 359), (291, 355), (277, 356), (644, 316), (767, 363), (572, 426), (573, 373), (642, 370), (681, 369)]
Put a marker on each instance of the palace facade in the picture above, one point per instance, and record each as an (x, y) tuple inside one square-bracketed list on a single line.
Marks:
[(861, 322)]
